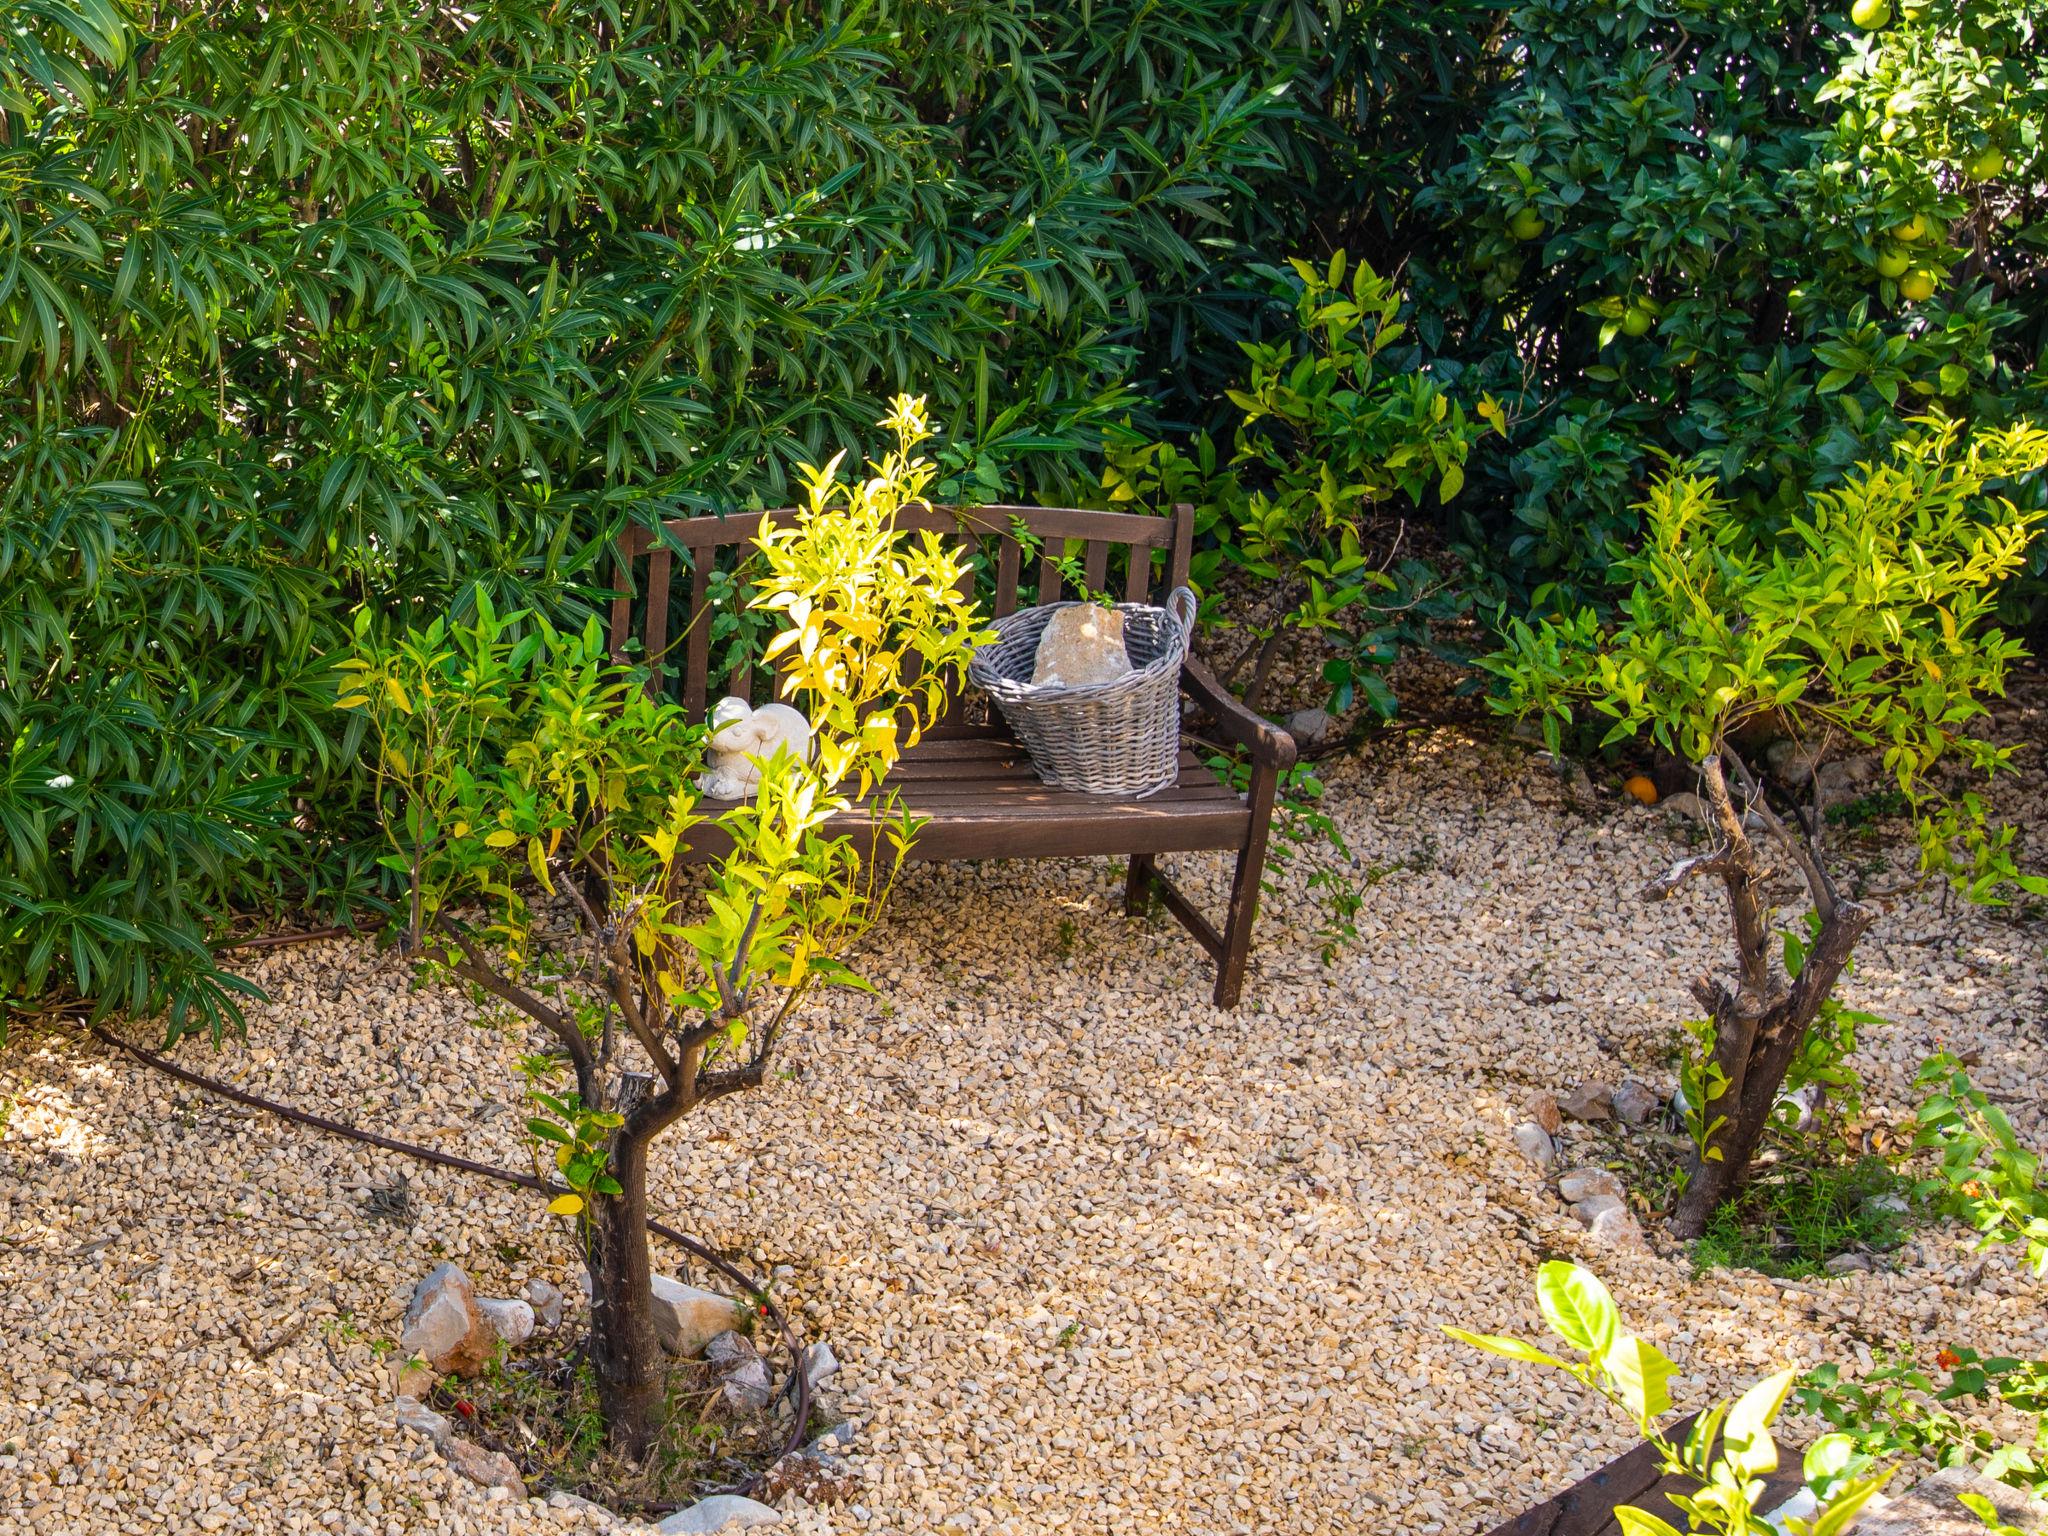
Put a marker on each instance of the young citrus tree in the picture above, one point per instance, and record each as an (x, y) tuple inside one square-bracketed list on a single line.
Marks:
[(522, 769), (1865, 626)]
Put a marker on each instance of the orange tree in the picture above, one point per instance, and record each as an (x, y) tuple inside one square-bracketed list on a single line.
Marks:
[(1867, 625), (518, 766)]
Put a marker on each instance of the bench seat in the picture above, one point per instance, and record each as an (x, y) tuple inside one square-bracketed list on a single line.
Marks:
[(983, 800)]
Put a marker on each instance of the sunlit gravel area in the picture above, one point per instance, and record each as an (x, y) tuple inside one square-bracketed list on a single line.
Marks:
[(1096, 1256)]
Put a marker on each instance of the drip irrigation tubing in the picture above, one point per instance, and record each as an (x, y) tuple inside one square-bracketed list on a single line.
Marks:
[(799, 1388)]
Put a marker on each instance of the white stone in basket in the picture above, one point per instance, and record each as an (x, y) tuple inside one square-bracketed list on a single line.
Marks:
[(1081, 645)]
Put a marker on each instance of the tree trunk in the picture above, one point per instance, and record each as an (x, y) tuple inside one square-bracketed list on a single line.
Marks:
[(625, 1350), (1755, 1052)]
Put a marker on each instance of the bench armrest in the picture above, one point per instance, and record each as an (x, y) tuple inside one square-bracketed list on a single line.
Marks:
[(1269, 746)]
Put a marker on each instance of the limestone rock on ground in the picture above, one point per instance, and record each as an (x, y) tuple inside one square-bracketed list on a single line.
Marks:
[(716, 1514), (1933, 1509), (1535, 1144), (688, 1318), (1635, 1103), (487, 1469), (1589, 1101), (443, 1324)]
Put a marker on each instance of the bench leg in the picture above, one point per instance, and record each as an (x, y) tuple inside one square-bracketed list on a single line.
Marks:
[(1138, 886), (1244, 891)]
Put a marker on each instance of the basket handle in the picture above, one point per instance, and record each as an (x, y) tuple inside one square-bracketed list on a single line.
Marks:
[(1181, 607)]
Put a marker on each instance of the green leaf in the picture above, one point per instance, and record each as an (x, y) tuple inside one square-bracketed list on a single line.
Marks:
[(1577, 1306), (1746, 1437), (1641, 1376), (1640, 1522), (1511, 1348)]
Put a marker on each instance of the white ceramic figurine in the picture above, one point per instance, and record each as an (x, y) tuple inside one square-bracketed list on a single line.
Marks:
[(743, 738)]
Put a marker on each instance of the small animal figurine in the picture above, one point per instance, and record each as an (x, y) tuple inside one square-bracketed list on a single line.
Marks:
[(743, 738)]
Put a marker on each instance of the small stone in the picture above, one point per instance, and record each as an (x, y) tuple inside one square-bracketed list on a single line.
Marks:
[(813, 1476), (746, 1388), (1589, 1101), (415, 1415), (576, 1504), (1684, 806), (443, 1325), (1896, 1204), (1634, 1102), (1589, 1208), (412, 1378), (1612, 1225), (511, 1321), (730, 1350), (1534, 1143), (489, 1469), (1847, 1264), (1793, 762), (1308, 726), (820, 1364), (1542, 1108), (687, 1318), (1081, 645), (546, 1301), (1584, 1183), (715, 1513)]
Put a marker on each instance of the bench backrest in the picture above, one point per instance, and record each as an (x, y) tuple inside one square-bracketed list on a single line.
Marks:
[(1140, 557)]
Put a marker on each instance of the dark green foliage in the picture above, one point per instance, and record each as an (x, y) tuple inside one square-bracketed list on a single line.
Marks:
[(333, 304), (1720, 188)]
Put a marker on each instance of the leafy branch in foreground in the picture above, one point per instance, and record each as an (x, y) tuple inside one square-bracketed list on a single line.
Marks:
[(1727, 1451)]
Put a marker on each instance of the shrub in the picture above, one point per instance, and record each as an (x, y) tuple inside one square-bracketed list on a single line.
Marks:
[(1748, 236), (1327, 436), (401, 309), (516, 766), (1867, 625)]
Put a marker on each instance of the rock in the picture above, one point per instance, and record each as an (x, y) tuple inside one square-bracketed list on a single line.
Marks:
[(511, 1321), (1684, 806), (409, 1378), (1589, 1101), (687, 1319), (838, 1438), (1793, 762), (1584, 1183), (490, 1469), (576, 1504), (1846, 778), (1081, 645), (1847, 1264), (729, 1350), (715, 1513), (813, 1476), (1896, 1204), (1635, 1103), (416, 1415), (1534, 1143), (1308, 726), (820, 1364), (1608, 1221), (1795, 1111), (1542, 1108), (546, 1301), (746, 1388), (443, 1325), (1932, 1508)]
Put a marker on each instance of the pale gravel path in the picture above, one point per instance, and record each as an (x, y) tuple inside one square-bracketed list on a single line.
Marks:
[(1253, 1224)]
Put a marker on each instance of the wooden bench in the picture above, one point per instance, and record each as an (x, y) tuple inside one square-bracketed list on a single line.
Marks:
[(971, 780)]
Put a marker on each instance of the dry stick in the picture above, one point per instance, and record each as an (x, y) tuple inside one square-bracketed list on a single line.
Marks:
[(799, 1377)]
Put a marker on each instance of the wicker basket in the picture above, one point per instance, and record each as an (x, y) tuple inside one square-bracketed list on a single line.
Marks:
[(1118, 738)]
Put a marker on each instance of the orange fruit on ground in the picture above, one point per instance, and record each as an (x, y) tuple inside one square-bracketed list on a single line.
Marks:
[(1640, 786)]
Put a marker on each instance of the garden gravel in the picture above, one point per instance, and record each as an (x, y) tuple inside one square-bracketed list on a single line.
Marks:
[(1093, 1256)]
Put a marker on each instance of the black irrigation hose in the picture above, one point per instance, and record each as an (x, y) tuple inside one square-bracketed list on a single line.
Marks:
[(799, 1377)]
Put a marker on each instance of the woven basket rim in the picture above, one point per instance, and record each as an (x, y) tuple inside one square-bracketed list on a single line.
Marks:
[(981, 666)]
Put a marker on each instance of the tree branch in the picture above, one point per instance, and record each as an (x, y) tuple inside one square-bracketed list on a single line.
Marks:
[(473, 967), (1804, 850)]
